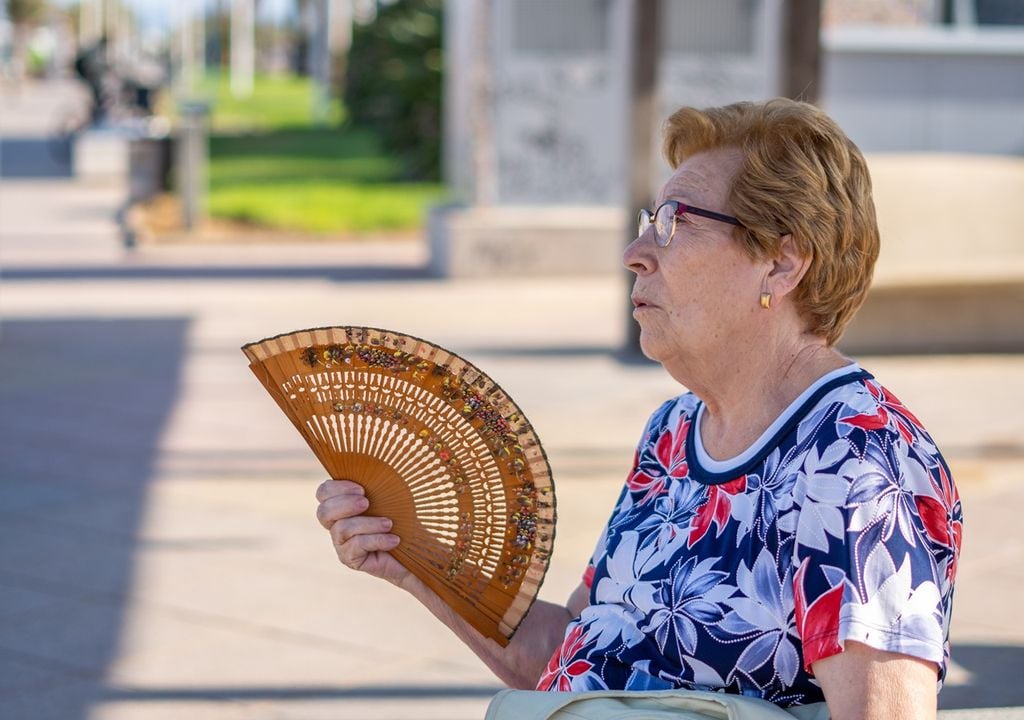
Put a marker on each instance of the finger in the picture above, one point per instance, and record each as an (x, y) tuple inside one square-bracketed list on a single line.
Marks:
[(353, 553), (331, 488), (344, 530), (340, 507)]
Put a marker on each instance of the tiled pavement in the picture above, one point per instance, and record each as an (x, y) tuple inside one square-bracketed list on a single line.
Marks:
[(158, 551)]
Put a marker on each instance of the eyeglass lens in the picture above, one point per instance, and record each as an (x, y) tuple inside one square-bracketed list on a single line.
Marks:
[(664, 223), (663, 220)]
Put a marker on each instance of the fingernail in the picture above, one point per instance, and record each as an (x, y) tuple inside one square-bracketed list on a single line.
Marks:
[(362, 503), (393, 539), (385, 523)]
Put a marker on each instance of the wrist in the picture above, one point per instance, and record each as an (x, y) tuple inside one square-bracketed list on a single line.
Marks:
[(411, 584)]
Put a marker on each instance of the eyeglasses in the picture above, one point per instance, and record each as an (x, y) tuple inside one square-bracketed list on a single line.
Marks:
[(664, 220)]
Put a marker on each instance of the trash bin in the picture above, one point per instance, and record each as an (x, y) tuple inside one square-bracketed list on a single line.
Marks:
[(149, 162)]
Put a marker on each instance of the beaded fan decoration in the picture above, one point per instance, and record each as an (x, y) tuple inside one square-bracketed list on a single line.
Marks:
[(440, 449)]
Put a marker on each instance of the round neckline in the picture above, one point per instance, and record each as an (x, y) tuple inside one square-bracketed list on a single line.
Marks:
[(706, 469)]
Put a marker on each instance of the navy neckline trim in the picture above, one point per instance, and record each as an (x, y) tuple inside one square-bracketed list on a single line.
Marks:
[(698, 473)]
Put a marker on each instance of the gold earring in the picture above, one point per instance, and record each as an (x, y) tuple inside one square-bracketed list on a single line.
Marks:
[(766, 300)]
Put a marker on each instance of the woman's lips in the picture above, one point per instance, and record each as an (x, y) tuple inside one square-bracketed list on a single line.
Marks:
[(640, 305)]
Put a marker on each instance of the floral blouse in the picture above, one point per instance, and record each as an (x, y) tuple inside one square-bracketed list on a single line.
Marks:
[(841, 523)]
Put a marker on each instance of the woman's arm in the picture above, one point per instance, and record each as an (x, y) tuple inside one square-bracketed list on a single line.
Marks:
[(363, 543), (862, 683), (521, 663)]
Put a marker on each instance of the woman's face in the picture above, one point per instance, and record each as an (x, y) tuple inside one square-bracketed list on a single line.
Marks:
[(697, 299)]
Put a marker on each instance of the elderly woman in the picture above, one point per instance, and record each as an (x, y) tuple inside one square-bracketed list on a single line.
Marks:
[(789, 530)]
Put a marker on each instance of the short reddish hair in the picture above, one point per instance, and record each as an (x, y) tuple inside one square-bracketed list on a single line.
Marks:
[(801, 175)]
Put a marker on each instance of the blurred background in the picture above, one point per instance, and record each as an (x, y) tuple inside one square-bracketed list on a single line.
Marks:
[(180, 178)]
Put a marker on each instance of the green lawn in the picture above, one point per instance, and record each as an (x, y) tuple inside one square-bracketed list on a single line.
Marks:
[(277, 101), (271, 167)]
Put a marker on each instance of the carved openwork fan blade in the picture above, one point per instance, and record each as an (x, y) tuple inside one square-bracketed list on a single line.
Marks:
[(441, 450)]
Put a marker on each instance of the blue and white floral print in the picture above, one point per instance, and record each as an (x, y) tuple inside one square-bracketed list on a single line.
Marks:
[(843, 525)]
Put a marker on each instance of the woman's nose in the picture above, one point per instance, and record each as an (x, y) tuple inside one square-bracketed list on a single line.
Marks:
[(638, 256)]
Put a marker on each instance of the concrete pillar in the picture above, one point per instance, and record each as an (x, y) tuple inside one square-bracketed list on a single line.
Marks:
[(485, 164), (801, 50), (243, 56), (320, 60), (191, 44), (90, 23), (191, 163), (644, 51)]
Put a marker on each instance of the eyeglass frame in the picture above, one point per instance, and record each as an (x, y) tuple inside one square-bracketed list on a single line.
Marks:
[(680, 209)]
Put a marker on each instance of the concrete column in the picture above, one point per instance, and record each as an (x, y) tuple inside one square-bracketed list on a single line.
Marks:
[(199, 28), (243, 57), (801, 50), (459, 140), (485, 164), (186, 48), (90, 23), (192, 159), (330, 42), (111, 28), (320, 59), (643, 103), (192, 44)]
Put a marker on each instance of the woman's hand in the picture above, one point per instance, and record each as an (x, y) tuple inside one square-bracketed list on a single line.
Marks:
[(361, 542)]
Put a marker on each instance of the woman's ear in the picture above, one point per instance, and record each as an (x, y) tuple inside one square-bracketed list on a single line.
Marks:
[(787, 268)]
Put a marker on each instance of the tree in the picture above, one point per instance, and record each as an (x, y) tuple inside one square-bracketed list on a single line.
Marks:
[(23, 14), (393, 82)]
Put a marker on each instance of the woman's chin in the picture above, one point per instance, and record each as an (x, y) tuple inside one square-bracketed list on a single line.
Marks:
[(651, 346)]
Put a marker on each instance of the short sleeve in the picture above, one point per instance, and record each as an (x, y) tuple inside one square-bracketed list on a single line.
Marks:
[(877, 539), (600, 548), (624, 500)]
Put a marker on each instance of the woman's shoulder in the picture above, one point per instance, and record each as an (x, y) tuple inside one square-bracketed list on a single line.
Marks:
[(866, 424), (870, 407)]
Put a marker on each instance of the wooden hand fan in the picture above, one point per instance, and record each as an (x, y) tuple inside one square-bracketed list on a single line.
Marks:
[(440, 449)]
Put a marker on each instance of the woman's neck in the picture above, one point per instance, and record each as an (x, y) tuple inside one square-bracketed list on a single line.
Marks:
[(744, 393)]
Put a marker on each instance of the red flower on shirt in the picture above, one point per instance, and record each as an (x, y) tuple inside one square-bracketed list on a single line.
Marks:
[(639, 481), (588, 576), (716, 509), (942, 518), (564, 664), (889, 408), (671, 449), (817, 623), (651, 474)]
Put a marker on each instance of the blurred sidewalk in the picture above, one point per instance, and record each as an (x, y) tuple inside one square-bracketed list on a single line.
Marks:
[(159, 556)]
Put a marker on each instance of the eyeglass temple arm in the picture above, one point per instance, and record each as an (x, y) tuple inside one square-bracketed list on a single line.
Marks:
[(683, 209)]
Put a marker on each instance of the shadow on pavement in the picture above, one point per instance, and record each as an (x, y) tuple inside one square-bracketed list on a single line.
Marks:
[(364, 692), (30, 158), (337, 273), (537, 351), (83, 404), (995, 671)]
